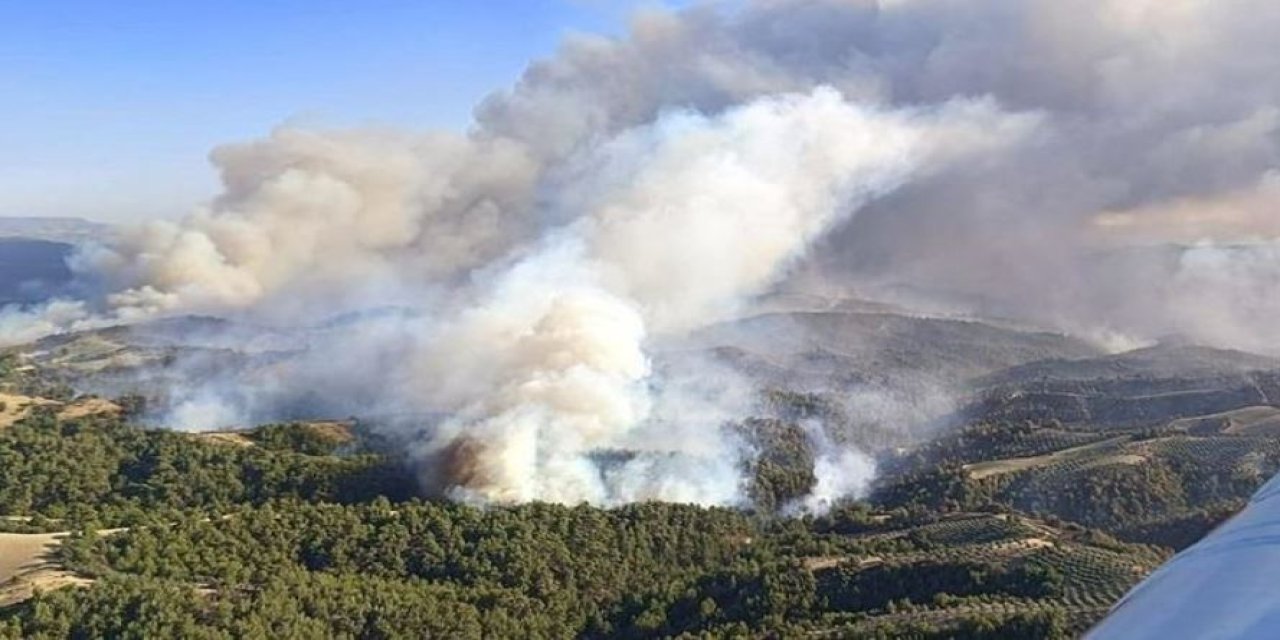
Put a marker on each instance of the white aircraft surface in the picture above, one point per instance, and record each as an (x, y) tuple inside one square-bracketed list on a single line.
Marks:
[(1225, 586)]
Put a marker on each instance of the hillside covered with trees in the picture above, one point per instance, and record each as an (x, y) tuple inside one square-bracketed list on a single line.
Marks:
[(280, 533), (1021, 515)]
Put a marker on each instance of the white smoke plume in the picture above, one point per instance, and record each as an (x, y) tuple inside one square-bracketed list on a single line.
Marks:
[(319, 217), (538, 358), (839, 471), (680, 222), (1023, 155)]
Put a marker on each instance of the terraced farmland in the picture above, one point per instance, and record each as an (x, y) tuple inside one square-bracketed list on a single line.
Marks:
[(986, 566), (1157, 483)]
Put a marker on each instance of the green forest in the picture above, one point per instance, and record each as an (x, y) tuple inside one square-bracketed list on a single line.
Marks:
[(295, 532), (999, 526)]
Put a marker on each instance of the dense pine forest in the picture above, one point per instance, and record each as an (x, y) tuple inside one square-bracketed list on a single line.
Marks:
[(298, 531), (1021, 515)]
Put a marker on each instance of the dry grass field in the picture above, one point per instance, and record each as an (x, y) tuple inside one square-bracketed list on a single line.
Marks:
[(27, 565)]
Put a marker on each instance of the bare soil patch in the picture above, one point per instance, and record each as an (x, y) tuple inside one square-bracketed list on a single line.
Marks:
[(15, 407), (225, 438), (27, 564), (88, 407)]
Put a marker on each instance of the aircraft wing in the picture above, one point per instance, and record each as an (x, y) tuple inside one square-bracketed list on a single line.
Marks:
[(1225, 586)]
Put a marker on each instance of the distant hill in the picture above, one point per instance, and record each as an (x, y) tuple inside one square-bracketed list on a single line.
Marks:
[(32, 270), (846, 343), (1164, 360), (1141, 388), (64, 230), (33, 255)]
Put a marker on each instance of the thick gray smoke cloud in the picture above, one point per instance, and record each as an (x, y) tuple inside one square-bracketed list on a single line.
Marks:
[(678, 222), (1159, 129), (1027, 158), (538, 360)]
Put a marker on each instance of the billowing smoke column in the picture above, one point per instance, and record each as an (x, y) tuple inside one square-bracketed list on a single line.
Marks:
[(1160, 123), (535, 350), (678, 222), (538, 357), (313, 218), (1026, 157)]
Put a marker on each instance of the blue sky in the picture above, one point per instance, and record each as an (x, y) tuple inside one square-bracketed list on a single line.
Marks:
[(108, 108)]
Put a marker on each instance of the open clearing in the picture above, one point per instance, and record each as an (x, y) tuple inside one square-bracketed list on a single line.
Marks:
[(228, 438), (1010, 465), (27, 564), (15, 407), (20, 552), (90, 406), (1261, 421)]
